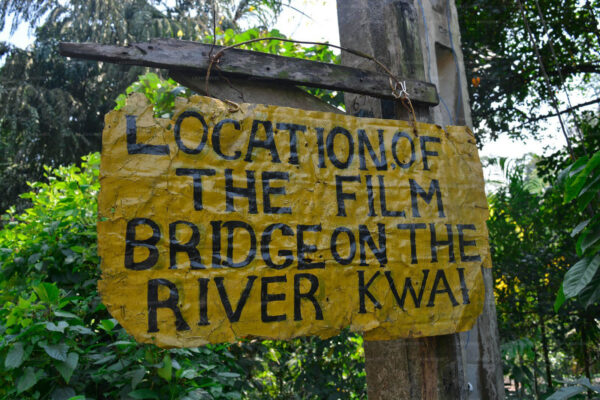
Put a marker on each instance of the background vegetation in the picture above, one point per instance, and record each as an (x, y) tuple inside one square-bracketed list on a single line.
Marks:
[(58, 341)]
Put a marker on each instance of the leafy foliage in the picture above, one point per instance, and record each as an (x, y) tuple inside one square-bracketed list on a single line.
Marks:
[(514, 354), (532, 248), (582, 183), (510, 92), (51, 107), (58, 339), (319, 53), (54, 326), (572, 389), (159, 92)]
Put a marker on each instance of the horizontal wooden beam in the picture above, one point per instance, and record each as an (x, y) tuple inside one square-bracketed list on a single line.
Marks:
[(189, 56)]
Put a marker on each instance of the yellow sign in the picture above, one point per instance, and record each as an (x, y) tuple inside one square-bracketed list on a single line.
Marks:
[(276, 222)]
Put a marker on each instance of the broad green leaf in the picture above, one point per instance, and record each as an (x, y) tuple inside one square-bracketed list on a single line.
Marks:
[(233, 395), (15, 356), (137, 376), (566, 175), (27, 380), (78, 249), (560, 299), (57, 351), (591, 294), (65, 314), (578, 245), (120, 365), (594, 296), (81, 330), (47, 292), (580, 227), (198, 394), (144, 394), (588, 193), (579, 275), (67, 367), (228, 374), (566, 392), (578, 180), (590, 239), (166, 370), (63, 393), (586, 382), (60, 327), (188, 374), (107, 325)]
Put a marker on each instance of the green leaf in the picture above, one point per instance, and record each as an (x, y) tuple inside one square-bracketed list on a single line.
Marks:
[(188, 374), (580, 227), (137, 376), (591, 294), (566, 392), (27, 380), (578, 245), (560, 299), (57, 351), (233, 396), (228, 374), (63, 393), (107, 325), (198, 394), (579, 275), (60, 327), (586, 382), (65, 314), (588, 193), (15, 356), (566, 175), (594, 296), (47, 292), (578, 180), (144, 394), (67, 367), (78, 249), (81, 330), (590, 239), (166, 370)]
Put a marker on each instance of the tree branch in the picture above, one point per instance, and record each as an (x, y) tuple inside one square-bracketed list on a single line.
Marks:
[(587, 103), (579, 68)]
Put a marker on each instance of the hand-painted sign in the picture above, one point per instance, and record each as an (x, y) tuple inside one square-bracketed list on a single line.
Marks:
[(277, 222)]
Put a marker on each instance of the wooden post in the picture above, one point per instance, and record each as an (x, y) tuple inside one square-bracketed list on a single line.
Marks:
[(459, 366)]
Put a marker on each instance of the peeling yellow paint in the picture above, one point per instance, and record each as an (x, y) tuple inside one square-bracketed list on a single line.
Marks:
[(323, 242)]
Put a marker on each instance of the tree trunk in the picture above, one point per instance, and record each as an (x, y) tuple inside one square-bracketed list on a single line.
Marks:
[(458, 366), (535, 376), (546, 352), (586, 355)]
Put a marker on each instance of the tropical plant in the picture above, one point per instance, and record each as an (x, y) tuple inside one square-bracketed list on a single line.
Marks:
[(573, 388), (58, 341), (51, 107), (582, 184)]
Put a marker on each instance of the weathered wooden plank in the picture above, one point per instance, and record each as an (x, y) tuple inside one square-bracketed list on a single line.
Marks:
[(195, 57), (251, 91)]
